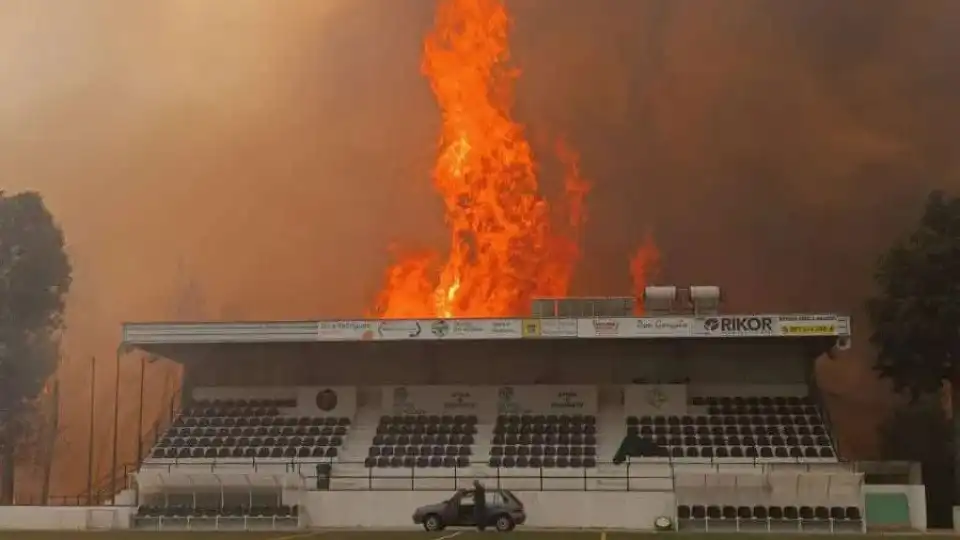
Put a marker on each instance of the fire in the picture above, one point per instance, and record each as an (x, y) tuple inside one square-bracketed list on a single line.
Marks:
[(505, 243), (644, 266)]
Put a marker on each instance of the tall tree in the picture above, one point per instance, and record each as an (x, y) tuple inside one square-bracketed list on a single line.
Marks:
[(34, 279), (916, 313), (921, 432)]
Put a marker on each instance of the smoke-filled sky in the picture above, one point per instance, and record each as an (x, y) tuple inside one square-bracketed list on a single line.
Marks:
[(271, 152), (266, 155)]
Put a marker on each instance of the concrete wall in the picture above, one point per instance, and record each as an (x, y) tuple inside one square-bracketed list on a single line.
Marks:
[(76, 518), (614, 510)]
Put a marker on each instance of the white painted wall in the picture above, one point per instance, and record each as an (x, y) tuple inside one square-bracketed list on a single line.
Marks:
[(615, 510), (75, 518)]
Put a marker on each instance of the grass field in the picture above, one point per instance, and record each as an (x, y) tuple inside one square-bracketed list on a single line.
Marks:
[(452, 534)]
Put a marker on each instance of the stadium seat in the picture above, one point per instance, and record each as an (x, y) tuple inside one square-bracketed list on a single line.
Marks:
[(786, 428), (561, 440), (246, 429), (428, 440)]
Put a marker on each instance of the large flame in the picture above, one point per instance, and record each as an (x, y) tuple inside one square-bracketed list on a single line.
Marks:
[(506, 246)]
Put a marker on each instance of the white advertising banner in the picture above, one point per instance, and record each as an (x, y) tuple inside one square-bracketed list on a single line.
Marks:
[(549, 328), (634, 327), (441, 329), (580, 399), (346, 330), (605, 328), (738, 325), (478, 400), (655, 399)]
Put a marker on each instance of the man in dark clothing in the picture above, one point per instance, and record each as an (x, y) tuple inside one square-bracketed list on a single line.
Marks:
[(479, 505)]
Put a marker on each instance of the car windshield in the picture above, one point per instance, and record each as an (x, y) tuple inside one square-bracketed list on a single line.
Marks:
[(509, 496)]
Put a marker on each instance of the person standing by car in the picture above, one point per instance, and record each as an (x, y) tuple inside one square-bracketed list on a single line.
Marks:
[(479, 505)]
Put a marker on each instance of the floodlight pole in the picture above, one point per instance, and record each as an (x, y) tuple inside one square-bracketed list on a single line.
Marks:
[(93, 403), (116, 423), (143, 368)]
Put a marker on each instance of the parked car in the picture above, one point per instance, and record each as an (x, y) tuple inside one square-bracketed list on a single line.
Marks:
[(504, 511)]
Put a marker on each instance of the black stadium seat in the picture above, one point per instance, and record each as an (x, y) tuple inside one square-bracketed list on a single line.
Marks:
[(785, 428), (245, 429)]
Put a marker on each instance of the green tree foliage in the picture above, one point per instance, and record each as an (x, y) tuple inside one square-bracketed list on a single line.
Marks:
[(34, 279), (916, 313)]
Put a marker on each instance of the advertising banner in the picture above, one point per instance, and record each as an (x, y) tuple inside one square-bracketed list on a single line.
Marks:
[(346, 330), (632, 327), (741, 326), (605, 328), (413, 400), (549, 328), (809, 325), (658, 327), (579, 399)]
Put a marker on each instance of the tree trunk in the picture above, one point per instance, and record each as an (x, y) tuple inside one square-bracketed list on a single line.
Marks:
[(7, 468), (955, 408)]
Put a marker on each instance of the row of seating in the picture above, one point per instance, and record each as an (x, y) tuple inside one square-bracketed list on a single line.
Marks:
[(765, 401), (217, 442), (426, 429), (545, 429), (736, 440), (779, 452), (731, 430), (726, 420), (424, 450), (246, 452), (543, 451), (547, 462), (553, 419), (427, 419), (416, 440), (791, 513), (185, 420), (419, 462), (562, 439), (174, 511)]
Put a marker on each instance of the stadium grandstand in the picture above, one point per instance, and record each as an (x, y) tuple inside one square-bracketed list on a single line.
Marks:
[(592, 416)]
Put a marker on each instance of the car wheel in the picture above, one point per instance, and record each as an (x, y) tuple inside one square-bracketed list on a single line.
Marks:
[(504, 523), (432, 523)]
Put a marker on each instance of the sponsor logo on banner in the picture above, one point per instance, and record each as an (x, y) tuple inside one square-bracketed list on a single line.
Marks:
[(346, 330), (399, 329), (531, 328), (567, 400), (327, 400), (468, 329), (505, 328), (667, 326), (440, 328), (806, 318), (505, 402), (401, 402), (460, 401), (606, 327), (558, 327), (656, 398), (808, 329), (739, 326)]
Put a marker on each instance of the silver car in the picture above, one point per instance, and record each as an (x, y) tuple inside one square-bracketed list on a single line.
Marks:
[(504, 511)]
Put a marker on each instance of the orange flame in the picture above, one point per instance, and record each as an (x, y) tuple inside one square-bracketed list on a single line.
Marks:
[(504, 248), (644, 266)]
